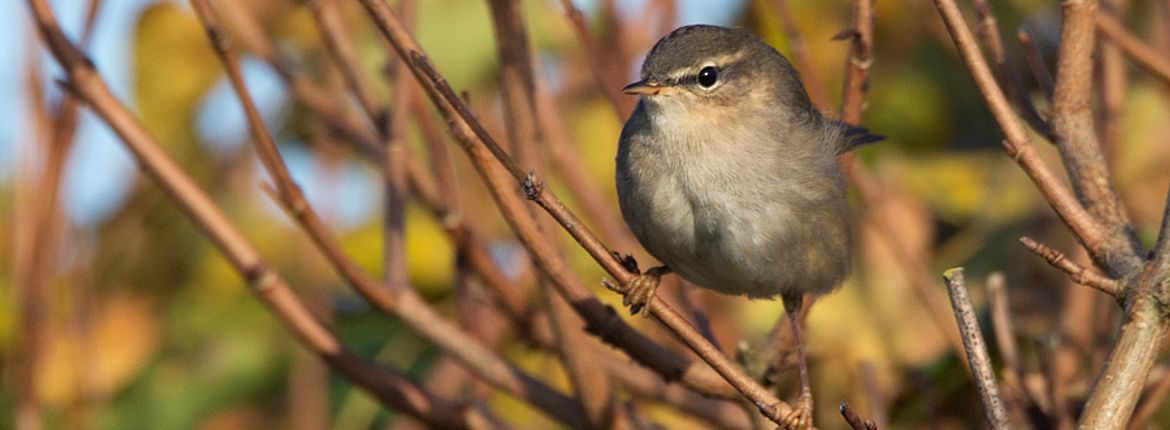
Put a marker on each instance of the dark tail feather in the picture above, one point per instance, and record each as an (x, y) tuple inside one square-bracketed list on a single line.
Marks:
[(856, 137)]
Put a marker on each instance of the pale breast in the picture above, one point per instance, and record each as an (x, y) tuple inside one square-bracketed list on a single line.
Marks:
[(728, 216)]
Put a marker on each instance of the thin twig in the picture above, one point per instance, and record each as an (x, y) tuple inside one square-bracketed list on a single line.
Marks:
[(1016, 395), (1036, 62), (597, 62), (1076, 138), (799, 50), (855, 422), (977, 357), (988, 30), (873, 393), (911, 263), (1113, 84), (1149, 59), (860, 60), (482, 148), (1055, 389), (401, 302), (389, 386), (1161, 250), (522, 122), (1076, 272), (1017, 144), (1151, 403)]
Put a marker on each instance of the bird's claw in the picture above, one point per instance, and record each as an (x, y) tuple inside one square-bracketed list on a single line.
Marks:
[(641, 292), (801, 416)]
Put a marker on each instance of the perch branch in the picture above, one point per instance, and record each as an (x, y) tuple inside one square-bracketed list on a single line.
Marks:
[(480, 146), (977, 358)]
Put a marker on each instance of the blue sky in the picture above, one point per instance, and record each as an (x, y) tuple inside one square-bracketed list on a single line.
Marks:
[(100, 170)]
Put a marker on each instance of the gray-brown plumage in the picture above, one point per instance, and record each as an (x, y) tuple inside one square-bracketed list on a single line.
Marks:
[(728, 174)]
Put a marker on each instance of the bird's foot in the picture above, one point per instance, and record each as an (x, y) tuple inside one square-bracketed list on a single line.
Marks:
[(639, 293), (801, 416)]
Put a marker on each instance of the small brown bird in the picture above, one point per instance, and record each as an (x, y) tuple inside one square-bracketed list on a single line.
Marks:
[(729, 175)]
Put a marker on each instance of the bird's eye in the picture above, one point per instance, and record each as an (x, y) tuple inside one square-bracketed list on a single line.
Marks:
[(708, 76)]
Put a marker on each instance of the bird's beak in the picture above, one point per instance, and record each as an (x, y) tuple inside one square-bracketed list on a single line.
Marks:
[(645, 87)]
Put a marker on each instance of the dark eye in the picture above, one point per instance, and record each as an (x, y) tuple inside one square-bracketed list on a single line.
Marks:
[(708, 76)]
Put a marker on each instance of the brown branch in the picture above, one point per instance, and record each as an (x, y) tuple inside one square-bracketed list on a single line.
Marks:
[(400, 301), (391, 388), (912, 264), (1161, 250), (522, 121), (1035, 62), (873, 393), (1150, 405), (1055, 389), (583, 187), (1118, 386), (1113, 86), (977, 357), (436, 194), (988, 30), (860, 60), (595, 60), (1148, 58), (851, 106), (799, 50), (1076, 272), (855, 422), (475, 141), (396, 176), (339, 46), (1016, 394), (1017, 145), (1076, 138)]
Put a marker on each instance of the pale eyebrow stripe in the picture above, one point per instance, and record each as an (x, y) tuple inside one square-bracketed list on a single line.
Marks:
[(721, 61)]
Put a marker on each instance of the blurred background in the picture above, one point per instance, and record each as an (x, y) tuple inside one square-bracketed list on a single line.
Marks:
[(138, 322)]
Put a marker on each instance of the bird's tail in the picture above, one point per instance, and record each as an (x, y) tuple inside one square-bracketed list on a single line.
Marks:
[(856, 137)]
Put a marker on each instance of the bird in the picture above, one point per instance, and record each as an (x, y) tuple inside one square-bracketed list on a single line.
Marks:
[(729, 176)]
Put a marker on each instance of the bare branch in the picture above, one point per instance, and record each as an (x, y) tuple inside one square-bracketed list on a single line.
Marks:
[(855, 422), (595, 60), (1076, 137), (1016, 395), (860, 60), (988, 30), (390, 387), (482, 148), (1076, 272), (1017, 145), (1118, 386), (1149, 59), (799, 50), (402, 302), (977, 358), (1161, 251), (1036, 62), (1152, 402), (1054, 385), (873, 393)]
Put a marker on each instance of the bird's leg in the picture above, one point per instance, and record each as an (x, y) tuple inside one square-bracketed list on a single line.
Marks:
[(641, 290), (801, 416)]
